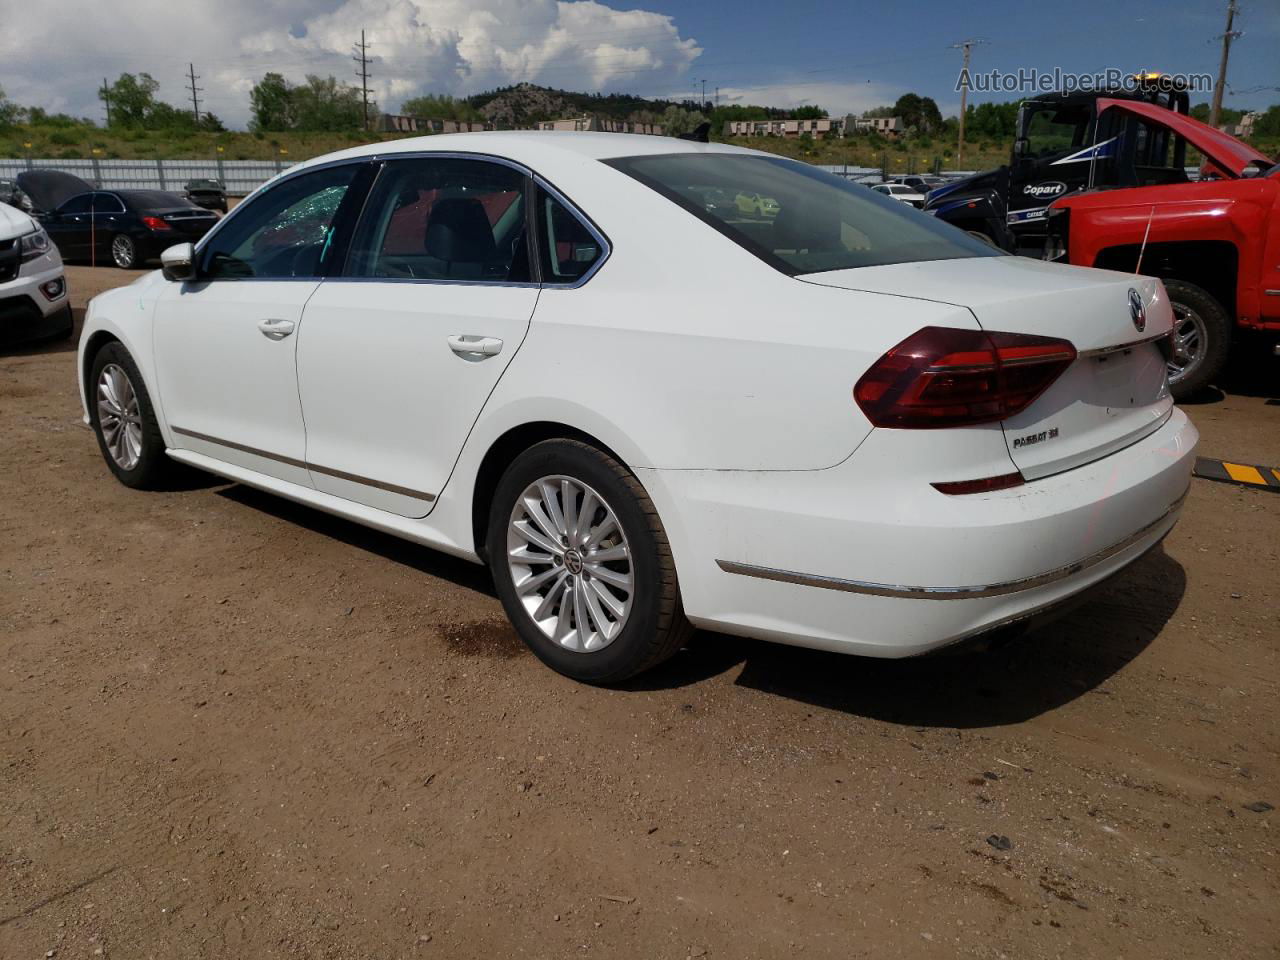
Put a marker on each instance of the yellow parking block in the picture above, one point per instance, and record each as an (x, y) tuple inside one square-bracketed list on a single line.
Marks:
[(1241, 473), (1244, 474)]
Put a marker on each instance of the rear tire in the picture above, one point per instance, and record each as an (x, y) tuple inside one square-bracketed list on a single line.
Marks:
[(123, 251), (643, 625), (1202, 339), (130, 438)]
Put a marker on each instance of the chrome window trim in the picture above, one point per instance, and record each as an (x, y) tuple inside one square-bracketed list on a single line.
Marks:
[(306, 465), (950, 593), (537, 178)]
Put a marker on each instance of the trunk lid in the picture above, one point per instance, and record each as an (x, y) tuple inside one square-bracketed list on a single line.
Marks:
[(1116, 391)]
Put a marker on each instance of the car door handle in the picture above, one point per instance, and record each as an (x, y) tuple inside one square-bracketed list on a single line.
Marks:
[(469, 347), (276, 329)]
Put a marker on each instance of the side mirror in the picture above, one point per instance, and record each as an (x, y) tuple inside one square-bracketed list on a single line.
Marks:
[(179, 262), (1253, 169), (1020, 147)]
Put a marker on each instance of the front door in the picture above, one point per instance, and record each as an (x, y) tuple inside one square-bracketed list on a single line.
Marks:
[(68, 227), (226, 342), (398, 356)]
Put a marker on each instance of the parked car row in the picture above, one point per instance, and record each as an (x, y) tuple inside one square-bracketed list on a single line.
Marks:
[(123, 227)]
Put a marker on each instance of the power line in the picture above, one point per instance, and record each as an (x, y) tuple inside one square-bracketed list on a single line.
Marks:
[(195, 92), (1227, 37), (362, 58), (966, 46)]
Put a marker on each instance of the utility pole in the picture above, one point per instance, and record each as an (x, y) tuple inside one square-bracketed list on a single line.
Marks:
[(362, 57), (195, 92), (1227, 37), (717, 98), (106, 98), (966, 46)]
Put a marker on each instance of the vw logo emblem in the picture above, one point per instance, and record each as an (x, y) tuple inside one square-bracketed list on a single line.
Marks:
[(1137, 310)]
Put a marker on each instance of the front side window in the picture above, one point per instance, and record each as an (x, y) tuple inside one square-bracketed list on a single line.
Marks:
[(1052, 131), (81, 204), (804, 220), (443, 218), (286, 232), (567, 247)]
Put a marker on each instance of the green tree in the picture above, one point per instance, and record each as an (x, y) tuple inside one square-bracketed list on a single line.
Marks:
[(1268, 125), (917, 112), (808, 112), (677, 120), (324, 104), (272, 103), (440, 107), (132, 99), (10, 112)]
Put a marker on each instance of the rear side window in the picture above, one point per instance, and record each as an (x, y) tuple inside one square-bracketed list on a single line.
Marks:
[(443, 219), (567, 246), (797, 218)]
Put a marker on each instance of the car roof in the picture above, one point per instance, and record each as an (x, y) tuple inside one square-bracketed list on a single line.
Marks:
[(534, 147)]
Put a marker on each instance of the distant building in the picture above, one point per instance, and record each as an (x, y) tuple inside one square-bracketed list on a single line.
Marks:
[(816, 127), (601, 125), (396, 123), (1242, 130), (891, 127)]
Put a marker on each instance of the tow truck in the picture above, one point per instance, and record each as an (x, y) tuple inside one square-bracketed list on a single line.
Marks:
[(1214, 242), (1063, 145)]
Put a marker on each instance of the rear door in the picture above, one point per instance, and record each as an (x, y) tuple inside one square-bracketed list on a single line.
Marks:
[(398, 355), (106, 219)]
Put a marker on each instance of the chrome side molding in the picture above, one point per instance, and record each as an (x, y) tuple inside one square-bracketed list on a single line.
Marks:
[(306, 465), (948, 593)]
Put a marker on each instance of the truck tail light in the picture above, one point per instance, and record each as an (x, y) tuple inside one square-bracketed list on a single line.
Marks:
[(944, 377)]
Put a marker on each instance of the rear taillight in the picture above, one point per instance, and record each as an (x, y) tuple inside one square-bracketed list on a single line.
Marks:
[(156, 223), (941, 377)]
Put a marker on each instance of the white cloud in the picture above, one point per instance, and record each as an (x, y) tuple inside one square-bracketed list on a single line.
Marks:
[(415, 46)]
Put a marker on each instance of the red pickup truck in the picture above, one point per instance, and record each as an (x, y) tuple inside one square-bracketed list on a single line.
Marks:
[(1215, 242)]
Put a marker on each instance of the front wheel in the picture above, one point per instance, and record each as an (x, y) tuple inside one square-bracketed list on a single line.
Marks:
[(124, 420), (123, 252), (582, 564), (1201, 339)]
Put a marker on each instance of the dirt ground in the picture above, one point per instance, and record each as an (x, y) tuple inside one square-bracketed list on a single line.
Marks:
[(231, 727)]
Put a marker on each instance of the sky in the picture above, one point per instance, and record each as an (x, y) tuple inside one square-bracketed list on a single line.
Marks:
[(843, 57)]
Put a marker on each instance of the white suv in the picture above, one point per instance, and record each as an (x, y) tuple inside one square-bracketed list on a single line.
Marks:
[(33, 289)]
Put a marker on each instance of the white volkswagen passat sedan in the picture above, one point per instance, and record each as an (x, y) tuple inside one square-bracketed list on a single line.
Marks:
[(847, 426)]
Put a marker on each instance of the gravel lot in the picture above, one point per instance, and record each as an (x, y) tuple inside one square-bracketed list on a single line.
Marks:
[(231, 727)]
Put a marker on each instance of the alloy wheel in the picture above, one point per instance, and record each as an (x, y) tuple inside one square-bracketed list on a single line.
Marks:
[(1189, 338), (122, 252), (119, 418), (570, 563)]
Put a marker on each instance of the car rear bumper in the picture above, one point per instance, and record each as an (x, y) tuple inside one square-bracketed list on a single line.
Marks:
[(855, 560)]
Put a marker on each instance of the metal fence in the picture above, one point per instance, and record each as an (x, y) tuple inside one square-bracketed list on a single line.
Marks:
[(239, 177)]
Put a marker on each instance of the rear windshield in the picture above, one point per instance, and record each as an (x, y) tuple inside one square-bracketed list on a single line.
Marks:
[(154, 200), (797, 218)]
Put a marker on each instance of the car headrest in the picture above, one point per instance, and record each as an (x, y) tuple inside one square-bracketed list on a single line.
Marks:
[(458, 230)]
